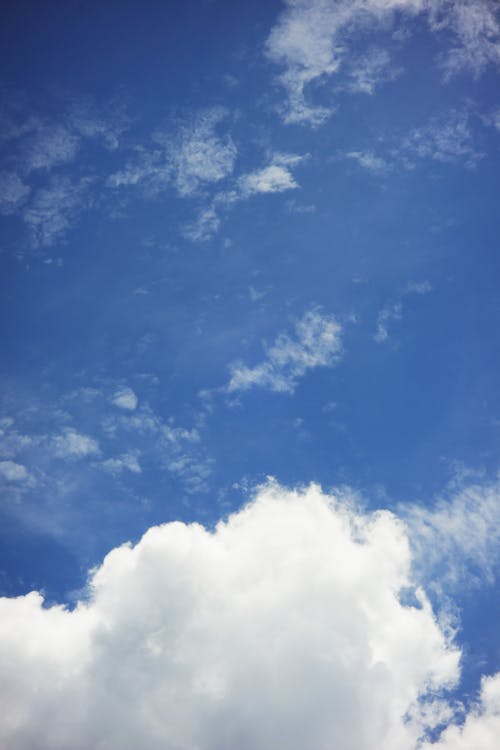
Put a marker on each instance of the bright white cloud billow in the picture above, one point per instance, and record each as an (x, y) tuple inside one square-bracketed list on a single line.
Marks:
[(282, 628), (317, 343)]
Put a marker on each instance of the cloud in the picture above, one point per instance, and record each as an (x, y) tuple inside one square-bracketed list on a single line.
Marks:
[(125, 398), (370, 70), (311, 41), (272, 179), (187, 158), (445, 139), (317, 343), (481, 728), (368, 160), (283, 627), (456, 540), (394, 310), (13, 192), (49, 146), (13, 472), (177, 450), (476, 28), (73, 444), (275, 177), (127, 461), (201, 155), (203, 227), (54, 209)]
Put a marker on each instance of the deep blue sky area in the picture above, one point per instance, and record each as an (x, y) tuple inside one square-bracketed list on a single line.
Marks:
[(243, 240)]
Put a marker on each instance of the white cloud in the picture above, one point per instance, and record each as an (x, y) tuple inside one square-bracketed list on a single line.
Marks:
[(50, 146), (54, 209), (73, 444), (271, 179), (203, 227), (476, 28), (368, 160), (200, 155), (12, 471), (13, 192), (127, 461), (312, 40), (316, 343), (445, 139), (457, 539), (394, 310), (282, 628), (193, 155), (125, 398), (370, 70), (481, 728), (385, 316)]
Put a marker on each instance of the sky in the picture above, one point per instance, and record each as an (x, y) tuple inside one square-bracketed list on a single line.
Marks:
[(249, 410)]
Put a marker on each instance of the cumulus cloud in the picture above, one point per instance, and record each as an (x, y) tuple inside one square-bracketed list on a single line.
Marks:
[(12, 471), (312, 40), (317, 343), (125, 398), (127, 461), (283, 627), (73, 444), (481, 728), (272, 179)]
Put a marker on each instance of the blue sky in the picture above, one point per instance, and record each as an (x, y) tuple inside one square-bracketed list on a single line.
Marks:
[(242, 241)]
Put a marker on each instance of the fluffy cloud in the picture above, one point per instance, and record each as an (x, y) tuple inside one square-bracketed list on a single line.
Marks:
[(284, 627), (317, 343), (12, 471), (125, 398), (188, 157), (72, 444), (481, 728)]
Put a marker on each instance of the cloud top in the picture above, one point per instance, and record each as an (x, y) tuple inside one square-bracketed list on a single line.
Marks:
[(283, 627)]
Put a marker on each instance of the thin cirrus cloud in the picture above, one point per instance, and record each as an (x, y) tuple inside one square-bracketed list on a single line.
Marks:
[(393, 311), (311, 41), (316, 342), (285, 626), (446, 139)]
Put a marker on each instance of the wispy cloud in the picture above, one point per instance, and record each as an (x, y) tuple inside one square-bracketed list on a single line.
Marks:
[(185, 157), (456, 540), (312, 40), (394, 310), (55, 209), (448, 138), (13, 192), (316, 342)]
